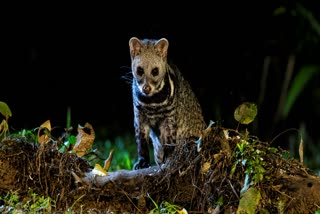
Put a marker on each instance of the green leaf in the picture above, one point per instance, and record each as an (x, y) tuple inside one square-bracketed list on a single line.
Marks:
[(308, 15), (72, 139), (219, 201), (5, 110), (298, 84), (249, 201), (233, 169), (279, 11), (246, 112), (272, 149)]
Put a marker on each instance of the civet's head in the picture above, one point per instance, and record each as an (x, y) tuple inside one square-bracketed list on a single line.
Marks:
[(148, 63)]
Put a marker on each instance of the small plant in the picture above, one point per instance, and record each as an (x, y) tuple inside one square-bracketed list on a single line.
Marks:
[(35, 204), (166, 207), (10, 202), (252, 159), (38, 204), (246, 153)]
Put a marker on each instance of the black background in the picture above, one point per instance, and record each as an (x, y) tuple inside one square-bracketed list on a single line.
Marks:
[(77, 57)]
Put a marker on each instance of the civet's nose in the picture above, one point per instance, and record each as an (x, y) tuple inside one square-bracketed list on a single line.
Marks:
[(146, 89)]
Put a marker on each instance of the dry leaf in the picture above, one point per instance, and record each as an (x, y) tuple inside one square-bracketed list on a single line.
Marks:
[(107, 162), (76, 178), (4, 128), (85, 139), (44, 132), (301, 150), (205, 167)]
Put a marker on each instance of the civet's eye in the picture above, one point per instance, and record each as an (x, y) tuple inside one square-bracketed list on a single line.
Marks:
[(155, 72), (140, 71)]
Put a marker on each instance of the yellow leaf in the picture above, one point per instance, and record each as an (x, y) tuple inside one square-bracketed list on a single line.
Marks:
[(44, 132), (85, 139), (46, 124), (5, 110), (98, 170), (246, 112), (183, 211)]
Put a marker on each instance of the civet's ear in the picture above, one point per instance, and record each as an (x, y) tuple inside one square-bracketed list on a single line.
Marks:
[(135, 46), (161, 47)]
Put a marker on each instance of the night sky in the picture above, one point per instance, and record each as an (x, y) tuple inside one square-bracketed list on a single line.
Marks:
[(79, 59)]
